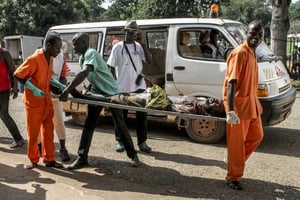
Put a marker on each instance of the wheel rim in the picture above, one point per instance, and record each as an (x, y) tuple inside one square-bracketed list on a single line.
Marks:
[(203, 127), (79, 118)]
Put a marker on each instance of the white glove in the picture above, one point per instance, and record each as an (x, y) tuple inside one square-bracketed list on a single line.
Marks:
[(232, 118)]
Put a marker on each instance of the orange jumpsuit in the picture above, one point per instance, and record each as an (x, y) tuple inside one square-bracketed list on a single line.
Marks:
[(243, 138), (39, 110)]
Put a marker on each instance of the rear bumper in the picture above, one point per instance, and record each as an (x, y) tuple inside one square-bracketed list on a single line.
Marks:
[(277, 109)]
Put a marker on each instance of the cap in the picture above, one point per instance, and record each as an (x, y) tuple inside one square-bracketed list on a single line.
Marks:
[(131, 25)]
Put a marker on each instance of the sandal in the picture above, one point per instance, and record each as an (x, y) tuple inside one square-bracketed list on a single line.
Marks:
[(63, 153), (236, 185)]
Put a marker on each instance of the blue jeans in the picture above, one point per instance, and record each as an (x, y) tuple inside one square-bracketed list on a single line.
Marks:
[(6, 118)]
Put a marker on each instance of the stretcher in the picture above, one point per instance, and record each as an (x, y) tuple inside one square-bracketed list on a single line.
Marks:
[(105, 103)]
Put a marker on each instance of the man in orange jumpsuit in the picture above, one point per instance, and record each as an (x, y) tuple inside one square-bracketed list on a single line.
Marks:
[(244, 126), (35, 72)]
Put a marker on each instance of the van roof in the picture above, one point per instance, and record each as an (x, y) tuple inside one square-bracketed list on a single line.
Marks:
[(145, 22)]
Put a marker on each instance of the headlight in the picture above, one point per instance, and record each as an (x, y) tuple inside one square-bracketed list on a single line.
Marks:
[(262, 90)]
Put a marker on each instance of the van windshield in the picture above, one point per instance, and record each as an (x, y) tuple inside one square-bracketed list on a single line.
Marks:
[(239, 34)]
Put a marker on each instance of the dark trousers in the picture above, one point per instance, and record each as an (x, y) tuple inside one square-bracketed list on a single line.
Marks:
[(6, 118), (141, 126), (89, 127)]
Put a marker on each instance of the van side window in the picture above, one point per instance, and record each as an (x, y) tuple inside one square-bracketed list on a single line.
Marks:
[(157, 44), (187, 44), (67, 46), (109, 42), (203, 44)]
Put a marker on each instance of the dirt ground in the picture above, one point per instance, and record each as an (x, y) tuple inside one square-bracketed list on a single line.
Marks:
[(178, 168)]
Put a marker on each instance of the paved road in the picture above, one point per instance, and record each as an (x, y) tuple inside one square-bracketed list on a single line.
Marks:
[(177, 169)]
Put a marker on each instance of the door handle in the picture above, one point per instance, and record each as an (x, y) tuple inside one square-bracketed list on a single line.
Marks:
[(179, 67)]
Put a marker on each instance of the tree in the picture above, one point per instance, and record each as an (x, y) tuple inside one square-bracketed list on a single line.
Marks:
[(280, 25), (34, 17), (146, 9)]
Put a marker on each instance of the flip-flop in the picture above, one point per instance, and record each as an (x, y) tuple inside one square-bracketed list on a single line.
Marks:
[(236, 185)]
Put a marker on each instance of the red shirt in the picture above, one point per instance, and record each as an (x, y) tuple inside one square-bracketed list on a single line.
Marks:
[(4, 75)]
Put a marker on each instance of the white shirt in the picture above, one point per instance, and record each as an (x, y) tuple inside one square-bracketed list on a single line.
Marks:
[(125, 72), (58, 63)]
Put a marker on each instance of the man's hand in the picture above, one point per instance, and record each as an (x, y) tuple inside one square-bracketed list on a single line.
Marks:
[(14, 92), (232, 118), (64, 96)]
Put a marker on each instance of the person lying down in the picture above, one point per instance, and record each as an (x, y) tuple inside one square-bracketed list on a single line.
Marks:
[(156, 98)]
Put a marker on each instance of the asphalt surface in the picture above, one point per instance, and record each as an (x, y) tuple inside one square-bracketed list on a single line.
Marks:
[(178, 168)]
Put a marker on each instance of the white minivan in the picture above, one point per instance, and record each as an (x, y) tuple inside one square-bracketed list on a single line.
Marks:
[(184, 67)]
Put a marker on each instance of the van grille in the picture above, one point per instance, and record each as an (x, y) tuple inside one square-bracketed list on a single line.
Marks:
[(284, 88)]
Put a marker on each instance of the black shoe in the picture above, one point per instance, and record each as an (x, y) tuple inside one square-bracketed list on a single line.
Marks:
[(18, 144), (54, 164), (145, 148), (78, 164), (135, 161), (63, 153), (236, 185)]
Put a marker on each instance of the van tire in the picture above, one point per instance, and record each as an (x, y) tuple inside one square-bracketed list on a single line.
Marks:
[(79, 118), (205, 131)]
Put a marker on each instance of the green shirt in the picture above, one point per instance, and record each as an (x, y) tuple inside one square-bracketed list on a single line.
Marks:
[(101, 77)]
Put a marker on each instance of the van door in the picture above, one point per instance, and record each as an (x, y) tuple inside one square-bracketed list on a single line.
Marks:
[(196, 67), (196, 61)]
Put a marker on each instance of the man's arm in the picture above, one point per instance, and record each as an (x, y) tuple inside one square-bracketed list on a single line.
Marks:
[(79, 78), (232, 117), (148, 56), (231, 94)]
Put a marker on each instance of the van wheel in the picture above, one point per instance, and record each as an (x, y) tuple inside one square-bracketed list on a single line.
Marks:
[(79, 118), (205, 131)]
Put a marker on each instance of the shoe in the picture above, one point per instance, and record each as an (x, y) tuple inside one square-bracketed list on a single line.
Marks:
[(145, 148), (120, 147), (17, 145), (54, 164), (135, 161), (30, 166), (78, 164), (63, 153), (236, 185)]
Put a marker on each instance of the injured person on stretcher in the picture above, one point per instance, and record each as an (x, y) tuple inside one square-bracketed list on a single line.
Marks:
[(156, 98)]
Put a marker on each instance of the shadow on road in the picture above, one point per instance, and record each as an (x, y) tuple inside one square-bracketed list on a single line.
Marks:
[(19, 175)]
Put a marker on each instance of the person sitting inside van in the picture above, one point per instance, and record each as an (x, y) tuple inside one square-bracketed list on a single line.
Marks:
[(211, 49), (207, 48), (184, 45)]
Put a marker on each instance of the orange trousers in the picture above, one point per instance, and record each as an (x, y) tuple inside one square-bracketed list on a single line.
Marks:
[(40, 120), (242, 140)]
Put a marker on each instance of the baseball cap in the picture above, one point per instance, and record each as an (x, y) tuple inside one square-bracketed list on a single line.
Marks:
[(131, 26)]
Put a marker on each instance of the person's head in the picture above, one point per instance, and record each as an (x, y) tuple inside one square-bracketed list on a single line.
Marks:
[(130, 29), (203, 37), (80, 42), (53, 44), (214, 36), (184, 38), (255, 33)]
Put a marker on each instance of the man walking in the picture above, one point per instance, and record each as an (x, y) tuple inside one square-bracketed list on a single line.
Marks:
[(94, 68), (244, 126)]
